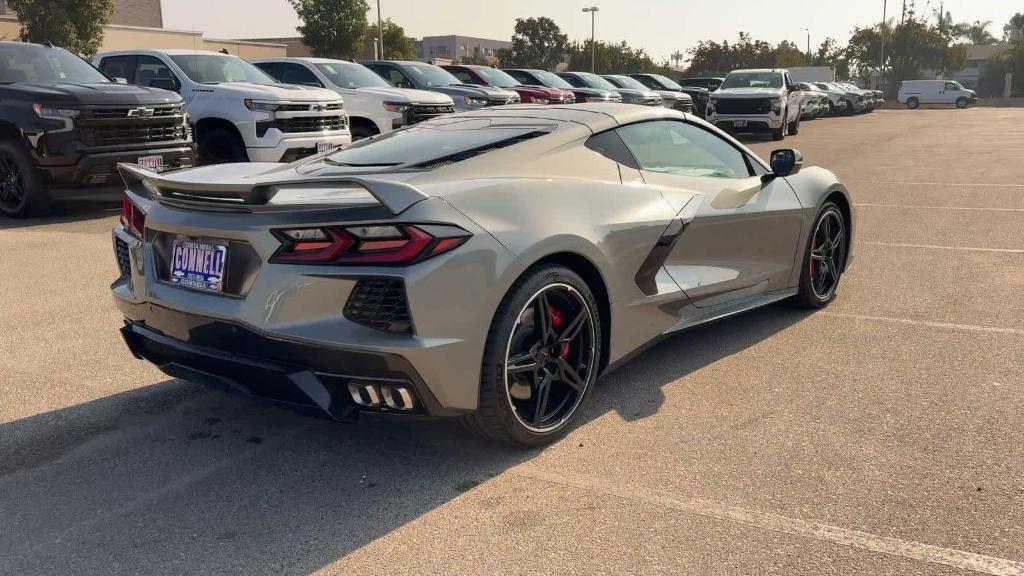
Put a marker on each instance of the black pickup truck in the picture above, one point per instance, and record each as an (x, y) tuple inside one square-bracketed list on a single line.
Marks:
[(64, 127)]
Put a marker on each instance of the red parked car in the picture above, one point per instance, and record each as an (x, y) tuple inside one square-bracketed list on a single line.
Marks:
[(486, 76)]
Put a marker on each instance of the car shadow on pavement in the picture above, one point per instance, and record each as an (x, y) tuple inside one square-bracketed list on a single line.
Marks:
[(178, 478), (68, 211)]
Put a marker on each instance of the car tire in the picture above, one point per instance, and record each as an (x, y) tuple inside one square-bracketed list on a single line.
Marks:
[(794, 126), (507, 399), (780, 133), (961, 102), (360, 131), (913, 103), (22, 191), (823, 262), (220, 145), (831, 108)]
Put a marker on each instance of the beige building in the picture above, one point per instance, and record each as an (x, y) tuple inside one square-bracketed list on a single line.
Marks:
[(139, 24)]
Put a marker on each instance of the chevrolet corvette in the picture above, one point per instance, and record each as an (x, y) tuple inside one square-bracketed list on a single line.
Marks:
[(487, 265)]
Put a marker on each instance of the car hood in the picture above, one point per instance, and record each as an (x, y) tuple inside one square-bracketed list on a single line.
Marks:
[(642, 94), (408, 95), (98, 94), (275, 91), (748, 93), (473, 90), (596, 92), (673, 95)]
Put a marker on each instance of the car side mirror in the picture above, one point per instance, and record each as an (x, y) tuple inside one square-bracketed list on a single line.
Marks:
[(786, 162), (165, 84), (120, 80)]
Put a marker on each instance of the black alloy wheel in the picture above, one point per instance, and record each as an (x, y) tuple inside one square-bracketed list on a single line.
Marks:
[(824, 259), (549, 358), (12, 184), (22, 192)]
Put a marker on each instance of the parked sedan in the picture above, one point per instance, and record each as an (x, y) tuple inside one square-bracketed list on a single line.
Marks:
[(487, 76), (668, 89), (424, 76), (534, 77), (448, 269), (640, 95)]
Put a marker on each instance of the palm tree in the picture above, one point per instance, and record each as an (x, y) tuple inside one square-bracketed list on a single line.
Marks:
[(677, 57), (977, 32)]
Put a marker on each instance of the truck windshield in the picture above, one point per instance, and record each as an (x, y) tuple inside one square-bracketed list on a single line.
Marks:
[(551, 80), (595, 81), (626, 82), (348, 75), (753, 80), (215, 69), (666, 82), (31, 63), (495, 77), (431, 76)]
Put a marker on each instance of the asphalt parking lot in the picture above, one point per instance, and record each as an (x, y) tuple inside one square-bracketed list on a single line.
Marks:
[(882, 435)]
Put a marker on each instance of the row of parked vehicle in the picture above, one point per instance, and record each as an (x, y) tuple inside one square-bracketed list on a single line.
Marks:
[(69, 124)]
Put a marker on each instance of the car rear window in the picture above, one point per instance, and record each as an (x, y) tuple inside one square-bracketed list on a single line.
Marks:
[(424, 144)]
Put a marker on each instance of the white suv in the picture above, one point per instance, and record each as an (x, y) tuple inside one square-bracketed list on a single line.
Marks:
[(238, 112), (757, 101), (374, 106)]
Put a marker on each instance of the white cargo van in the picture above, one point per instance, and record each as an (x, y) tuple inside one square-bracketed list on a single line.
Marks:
[(913, 93)]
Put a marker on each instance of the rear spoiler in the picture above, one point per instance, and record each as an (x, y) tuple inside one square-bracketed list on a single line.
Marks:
[(395, 196)]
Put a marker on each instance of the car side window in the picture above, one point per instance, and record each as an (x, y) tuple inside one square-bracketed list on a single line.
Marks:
[(952, 86), (574, 81), (395, 76), (676, 147), (292, 73), (147, 68), (118, 67), (463, 76), (521, 77), (273, 69)]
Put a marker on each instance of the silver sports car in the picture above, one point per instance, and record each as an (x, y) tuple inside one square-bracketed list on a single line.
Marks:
[(488, 265)]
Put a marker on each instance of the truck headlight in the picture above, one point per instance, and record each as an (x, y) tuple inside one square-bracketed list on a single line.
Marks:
[(44, 111), (474, 101), (777, 105), (396, 106), (257, 106)]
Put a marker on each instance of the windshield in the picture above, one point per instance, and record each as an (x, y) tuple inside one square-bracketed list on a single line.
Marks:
[(753, 80), (626, 82), (347, 75), (430, 75), (215, 69), (822, 85), (495, 77), (551, 80), (666, 82), (595, 81), (422, 143), (30, 63)]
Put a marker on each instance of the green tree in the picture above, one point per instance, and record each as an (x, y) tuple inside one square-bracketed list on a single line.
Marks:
[(831, 54), (536, 43), (788, 55), (1013, 31), (612, 58), (976, 32), (76, 25), (677, 57), (397, 46), (332, 28)]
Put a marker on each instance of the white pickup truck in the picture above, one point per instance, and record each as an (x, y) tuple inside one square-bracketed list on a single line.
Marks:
[(374, 106), (757, 101), (238, 112)]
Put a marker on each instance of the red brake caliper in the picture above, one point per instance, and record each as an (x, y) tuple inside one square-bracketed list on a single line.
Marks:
[(556, 321)]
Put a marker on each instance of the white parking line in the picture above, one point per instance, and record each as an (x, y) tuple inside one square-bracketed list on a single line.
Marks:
[(970, 184), (936, 247), (922, 206), (777, 523), (930, 324)]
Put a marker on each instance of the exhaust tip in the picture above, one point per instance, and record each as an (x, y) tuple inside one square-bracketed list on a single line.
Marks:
[(382, 395)]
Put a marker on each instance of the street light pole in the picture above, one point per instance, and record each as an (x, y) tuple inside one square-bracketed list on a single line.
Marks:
[(881, 67), (593, 47), (380, 31), (808, 30)]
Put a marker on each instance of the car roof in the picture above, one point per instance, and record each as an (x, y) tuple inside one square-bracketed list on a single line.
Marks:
[(399, 62), (309, 59), (167, 51), (779, 70), (597, 116)]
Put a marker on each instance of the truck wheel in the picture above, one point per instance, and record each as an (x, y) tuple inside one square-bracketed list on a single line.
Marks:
[(360, 131), (22, 192), (794, 127), (961, 102), (831, 108), (219, 145), (913, 103), (780, 134)]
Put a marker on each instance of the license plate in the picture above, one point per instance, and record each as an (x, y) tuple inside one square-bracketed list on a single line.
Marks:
[(198, 265), (739, 123), (155, 163), (322, 147)]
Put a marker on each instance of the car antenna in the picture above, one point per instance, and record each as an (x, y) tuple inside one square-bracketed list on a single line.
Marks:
[(224, 51)]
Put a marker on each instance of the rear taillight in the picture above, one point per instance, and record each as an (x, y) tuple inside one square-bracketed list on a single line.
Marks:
[(368, 245), (133, 218)]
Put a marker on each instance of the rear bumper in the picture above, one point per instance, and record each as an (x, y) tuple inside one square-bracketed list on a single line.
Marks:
[(100, 169), (318, 379)]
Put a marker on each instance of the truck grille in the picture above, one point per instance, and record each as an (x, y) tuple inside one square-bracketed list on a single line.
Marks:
[(421, 112), (307, 107), (728, 106), (304, 124), (379, 303), (131, 126)]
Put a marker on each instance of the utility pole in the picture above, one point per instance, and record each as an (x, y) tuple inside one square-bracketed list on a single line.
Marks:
[(593, 47), (903, 15), (380, 31), (808, 30)]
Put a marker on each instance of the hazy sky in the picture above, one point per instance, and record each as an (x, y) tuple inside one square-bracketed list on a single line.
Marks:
[(659, 26)]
